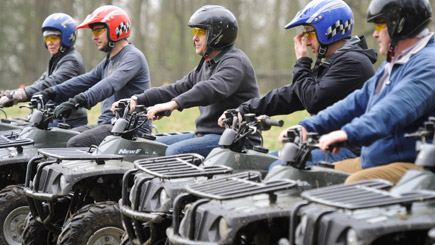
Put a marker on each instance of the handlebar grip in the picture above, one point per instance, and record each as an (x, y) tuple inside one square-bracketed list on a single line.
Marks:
[(343, 144), (274, 122), (162, 114)]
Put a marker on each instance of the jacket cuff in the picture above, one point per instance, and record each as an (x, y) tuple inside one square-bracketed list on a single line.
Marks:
[(180, 105)]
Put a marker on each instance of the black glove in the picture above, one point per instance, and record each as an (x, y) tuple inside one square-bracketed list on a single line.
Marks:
[(65, 109), (47, 94)]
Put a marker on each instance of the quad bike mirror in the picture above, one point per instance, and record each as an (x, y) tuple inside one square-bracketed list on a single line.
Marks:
[(36, 117), (431, 234), (231, 121), (295, 151), (119, 127), (426, 151), (236, 133)]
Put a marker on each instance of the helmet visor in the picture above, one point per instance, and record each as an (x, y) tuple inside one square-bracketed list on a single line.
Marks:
[(47, 33)]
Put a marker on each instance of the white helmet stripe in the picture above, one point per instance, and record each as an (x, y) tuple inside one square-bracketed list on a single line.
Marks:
[(325, 8)]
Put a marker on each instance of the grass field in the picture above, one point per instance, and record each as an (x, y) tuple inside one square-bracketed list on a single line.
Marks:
[(185, 121)]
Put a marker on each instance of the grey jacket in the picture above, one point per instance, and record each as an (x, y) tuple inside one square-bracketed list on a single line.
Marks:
[(222, 83), (61, 67), (126, 74)]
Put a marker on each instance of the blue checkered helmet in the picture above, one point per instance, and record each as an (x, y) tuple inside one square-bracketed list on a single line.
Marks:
[(63, 23), (332, 20)]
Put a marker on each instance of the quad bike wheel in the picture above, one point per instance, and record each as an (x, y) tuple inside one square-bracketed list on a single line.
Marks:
[(98, 223), (13, 212), (35, 234)]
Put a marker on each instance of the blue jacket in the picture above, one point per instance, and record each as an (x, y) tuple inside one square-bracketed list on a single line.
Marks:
[(379, 122)]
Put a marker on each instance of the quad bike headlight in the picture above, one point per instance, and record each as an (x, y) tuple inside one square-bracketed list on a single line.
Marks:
[(62, 182), (223, 228), (164, 197), (351, 237), (303, 224)]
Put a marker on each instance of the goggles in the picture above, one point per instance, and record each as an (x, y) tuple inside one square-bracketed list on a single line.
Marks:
[(199, 31), (51, 39), (309, 35), (98, 31), (380, 26)]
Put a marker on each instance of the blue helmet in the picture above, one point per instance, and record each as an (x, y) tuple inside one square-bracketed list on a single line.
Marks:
[(63, 23), (332, 20)]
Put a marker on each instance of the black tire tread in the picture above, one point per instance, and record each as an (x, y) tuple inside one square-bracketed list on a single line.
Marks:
[(11, 197), (33, 233), (79, 228)]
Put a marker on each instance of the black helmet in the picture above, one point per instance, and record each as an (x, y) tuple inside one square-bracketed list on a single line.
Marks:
[(220, 23), (404, 18)]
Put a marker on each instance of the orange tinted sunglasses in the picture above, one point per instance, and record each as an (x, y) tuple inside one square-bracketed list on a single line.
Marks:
[(51, 39), (199, 31), (98, 31), (309, 35)]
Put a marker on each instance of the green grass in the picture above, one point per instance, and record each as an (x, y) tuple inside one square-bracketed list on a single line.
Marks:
[(185, 121)]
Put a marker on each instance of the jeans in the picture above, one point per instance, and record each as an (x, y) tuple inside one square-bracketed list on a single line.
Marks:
[(318, 155), (56, 122), (89, 135), (189, 143)]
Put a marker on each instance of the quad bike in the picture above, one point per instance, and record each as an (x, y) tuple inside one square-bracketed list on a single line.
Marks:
[(15, 152), (234, 211), (369, 212), (146, 205), (72, 193), (16, 124), (13, 159)]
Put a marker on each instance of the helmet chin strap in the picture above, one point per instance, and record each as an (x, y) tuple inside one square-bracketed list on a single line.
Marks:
[(108, 49), (204, 58), (392, 49), (323, 49)]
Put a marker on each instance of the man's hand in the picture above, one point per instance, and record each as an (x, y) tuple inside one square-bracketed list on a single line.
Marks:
[(168, 106), (284, 133), (4, 93), (300, 46), (65, 109), (334, 137), (47, 94), (11, 98), (115, 104), (223, 117)]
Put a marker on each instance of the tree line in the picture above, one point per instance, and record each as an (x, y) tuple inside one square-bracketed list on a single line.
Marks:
[(159, 29)]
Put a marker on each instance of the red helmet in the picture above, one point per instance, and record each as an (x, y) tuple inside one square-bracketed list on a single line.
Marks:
[(116, 20)]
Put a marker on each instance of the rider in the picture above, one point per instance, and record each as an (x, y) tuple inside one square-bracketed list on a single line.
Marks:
[(59, 32), (394, 102), (347, 64), (121, 74), (223, 79)]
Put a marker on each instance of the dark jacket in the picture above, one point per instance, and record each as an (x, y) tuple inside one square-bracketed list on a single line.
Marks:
[(222, 83), (343, 72), (61, 67)]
